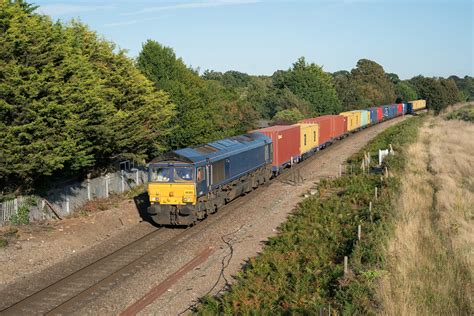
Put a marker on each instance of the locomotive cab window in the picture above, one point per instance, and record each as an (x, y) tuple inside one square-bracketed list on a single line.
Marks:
[(183, 174), (160, 174), (171, 174), (200, 174)]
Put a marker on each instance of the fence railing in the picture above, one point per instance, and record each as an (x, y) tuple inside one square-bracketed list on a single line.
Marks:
[(64, 201)]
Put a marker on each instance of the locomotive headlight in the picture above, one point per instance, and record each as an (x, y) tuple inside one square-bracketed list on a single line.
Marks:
[(156, 198), (187, 199)]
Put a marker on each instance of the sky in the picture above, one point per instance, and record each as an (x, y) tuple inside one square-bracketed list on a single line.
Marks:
[(427, 37)]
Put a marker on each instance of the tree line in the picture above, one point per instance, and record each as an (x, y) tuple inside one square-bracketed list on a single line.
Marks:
[(71, 103)]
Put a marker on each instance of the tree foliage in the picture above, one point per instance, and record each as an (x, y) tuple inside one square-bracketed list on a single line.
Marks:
[(205, 109), (310, 83), (437, 92), (465, 86), (287, 117), (405, 92), (365, 86), (68, 103)]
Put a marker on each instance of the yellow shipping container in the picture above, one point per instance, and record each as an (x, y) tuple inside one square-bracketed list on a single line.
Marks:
[(309, 137), (418, 104), (353, 119)]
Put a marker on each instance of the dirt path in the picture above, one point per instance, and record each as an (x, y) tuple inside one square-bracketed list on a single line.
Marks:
[(238, 234)]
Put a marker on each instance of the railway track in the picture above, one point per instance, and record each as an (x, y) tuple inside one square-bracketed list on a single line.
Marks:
[(86, 284), (94, 277), (83, 286)]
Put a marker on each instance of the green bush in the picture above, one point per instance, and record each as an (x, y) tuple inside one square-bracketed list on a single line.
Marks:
[(22, 217), (465, 114)]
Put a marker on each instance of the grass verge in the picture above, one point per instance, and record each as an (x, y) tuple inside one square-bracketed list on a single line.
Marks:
[(301, 270), (429, 259)]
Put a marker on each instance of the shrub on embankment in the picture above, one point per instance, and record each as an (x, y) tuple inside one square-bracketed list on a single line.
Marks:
[(465, 113), (301, 270)]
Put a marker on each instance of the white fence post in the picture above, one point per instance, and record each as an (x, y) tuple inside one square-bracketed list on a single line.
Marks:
[(15, 205), (122, 180), (136, 177), (89, 197), (67, 206), (107, 186)]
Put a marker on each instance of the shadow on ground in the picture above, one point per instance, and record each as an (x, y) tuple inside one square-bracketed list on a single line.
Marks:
[(142, 203)]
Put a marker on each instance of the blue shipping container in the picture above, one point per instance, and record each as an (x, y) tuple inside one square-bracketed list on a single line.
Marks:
[(373, 115), (385, 111)]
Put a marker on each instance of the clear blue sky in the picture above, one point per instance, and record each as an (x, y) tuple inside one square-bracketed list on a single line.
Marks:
[(432, 38)]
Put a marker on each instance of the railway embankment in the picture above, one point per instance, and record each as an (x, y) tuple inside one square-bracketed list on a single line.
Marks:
[(332, 252)]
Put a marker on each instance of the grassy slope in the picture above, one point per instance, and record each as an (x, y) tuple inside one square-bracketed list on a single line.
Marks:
[(301, 270), (430, 264)]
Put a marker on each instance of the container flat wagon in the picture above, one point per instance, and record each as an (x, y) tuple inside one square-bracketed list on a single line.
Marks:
[(286, 145)]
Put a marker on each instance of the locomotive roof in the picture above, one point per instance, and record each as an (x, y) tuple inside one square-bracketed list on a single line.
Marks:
[(215, 150)]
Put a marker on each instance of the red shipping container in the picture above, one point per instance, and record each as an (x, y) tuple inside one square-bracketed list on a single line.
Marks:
[(379, 114), (330, 127), (399, 109), (286, 143)]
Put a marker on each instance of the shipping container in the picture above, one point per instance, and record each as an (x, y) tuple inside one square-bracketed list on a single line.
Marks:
[(399, 109), (393, 108), (309, 138), (353, 120), (375, 114), (286, 145), (385, 112), (416, 105), (365, 118), (379, 114), (331, 127)]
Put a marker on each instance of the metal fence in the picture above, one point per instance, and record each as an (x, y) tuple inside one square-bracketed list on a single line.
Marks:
[(65, 200)]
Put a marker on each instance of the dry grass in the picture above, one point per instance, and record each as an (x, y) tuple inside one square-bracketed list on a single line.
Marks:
[(430, 262)]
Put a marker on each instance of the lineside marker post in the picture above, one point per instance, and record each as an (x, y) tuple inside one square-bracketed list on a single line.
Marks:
[(122, 178), (107, 186), (370, 211), (376, 193), (89, 197), (359, 231), (67, 206), (345, 266)]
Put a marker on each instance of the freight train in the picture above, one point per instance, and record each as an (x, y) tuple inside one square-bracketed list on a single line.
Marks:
[(187, 185)]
